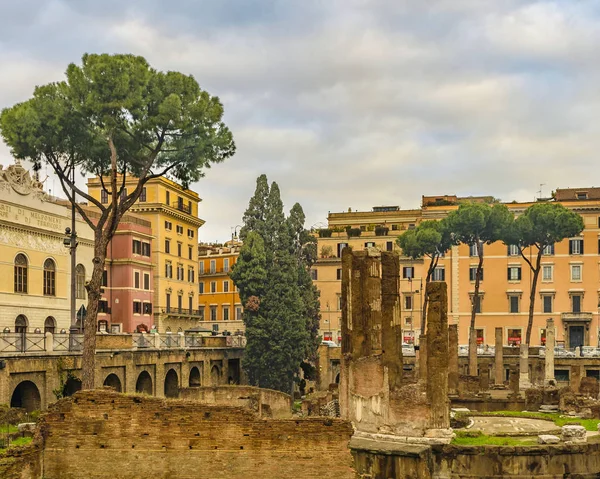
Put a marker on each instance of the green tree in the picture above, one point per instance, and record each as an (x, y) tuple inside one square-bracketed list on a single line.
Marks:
[(539, 227), (431, 239), (476, 224), (112, 117), (281, 303)]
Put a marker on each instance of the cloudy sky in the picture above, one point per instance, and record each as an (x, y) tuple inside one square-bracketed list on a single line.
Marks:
[(351, 103)]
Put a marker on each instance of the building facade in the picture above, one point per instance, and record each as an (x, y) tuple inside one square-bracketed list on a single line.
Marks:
[(173, 215), (218, 299), (568, 290)]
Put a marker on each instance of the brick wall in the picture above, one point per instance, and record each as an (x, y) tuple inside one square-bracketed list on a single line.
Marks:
[(114, 341), (97, 434)]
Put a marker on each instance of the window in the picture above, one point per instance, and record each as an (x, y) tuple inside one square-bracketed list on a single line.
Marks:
[(201, 313), (103, 306), (191, 275), (168, 225), (339, 274), (473, 273), (547, 272), (576, 272), (513, 250), (190, 252), (137, 247), (103, 196), (49, 278), (576, 303), (514, 337), (548, 250), (576, 246), (105, 278), (179, 229), (201, 287), (582, 195), (370, 244), (314, 274), (226, 265), (514, 273), (411, 226), (145, 249), (21, 267), (147, 308), (561, 375), (213, 266), (137, 307), (168, 197), (168, 269), (201, 268), (213, 286), (408, 302), (226, 286), (190, 233), (439, 274), (340, 248), (394, 227), (338, 303), (213, 313), (225, 313), (477, 300), (167, 246), (180, 273), (191, 304), (143, 195), (136, 279), (514, 303), (146, 281), (547, 303), (49, 325), (80, 282), (179, 249), (179, 303), (238, 313), (168, 302), (408, 272), (189, 207), (389, 246), (473, 249)]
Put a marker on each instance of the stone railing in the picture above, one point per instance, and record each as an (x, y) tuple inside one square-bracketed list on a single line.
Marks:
[(11, 343)]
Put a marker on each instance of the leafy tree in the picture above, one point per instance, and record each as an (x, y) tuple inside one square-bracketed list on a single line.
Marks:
[(540, 226), (116, 116), (281, 303), (476, 224), (431, 239)]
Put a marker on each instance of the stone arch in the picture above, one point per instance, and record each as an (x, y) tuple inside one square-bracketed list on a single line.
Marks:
[(72, 385), (21, 324), (143, 384), (171, 384), (50, 325), (113, 381), (215, 375), (195, 379), (27, 396)]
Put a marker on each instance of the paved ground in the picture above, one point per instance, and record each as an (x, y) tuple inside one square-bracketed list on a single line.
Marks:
[(512, 425)]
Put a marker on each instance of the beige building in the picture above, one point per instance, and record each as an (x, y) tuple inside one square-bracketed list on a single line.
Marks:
[(35, 275)]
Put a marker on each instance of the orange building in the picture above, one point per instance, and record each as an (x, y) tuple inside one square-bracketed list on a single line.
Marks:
[(218, 299)]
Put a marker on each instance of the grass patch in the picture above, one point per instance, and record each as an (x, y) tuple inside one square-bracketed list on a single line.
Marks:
[(556, 418), (477, 438), (20, 441)]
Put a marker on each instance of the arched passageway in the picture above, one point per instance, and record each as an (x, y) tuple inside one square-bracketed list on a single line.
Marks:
[(171, 384), (72, 385), (337, 378), (113, 381), (27, 396), (195, 380), (143, 384), (215, 375)]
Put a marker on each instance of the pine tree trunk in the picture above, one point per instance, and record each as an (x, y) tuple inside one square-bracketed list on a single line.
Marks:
[(94, 294), (474, 302), (536, 273)]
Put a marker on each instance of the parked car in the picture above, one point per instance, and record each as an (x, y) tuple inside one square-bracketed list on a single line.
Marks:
[(329, 343), (408, 350), (590, 351)]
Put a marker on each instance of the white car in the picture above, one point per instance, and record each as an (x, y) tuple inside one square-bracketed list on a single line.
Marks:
[(329, 343)]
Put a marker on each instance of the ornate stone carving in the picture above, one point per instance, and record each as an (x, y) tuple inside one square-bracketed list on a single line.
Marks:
[(29, 240), (21, 181)]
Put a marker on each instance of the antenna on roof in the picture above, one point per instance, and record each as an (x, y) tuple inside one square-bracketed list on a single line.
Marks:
[(540, 190)]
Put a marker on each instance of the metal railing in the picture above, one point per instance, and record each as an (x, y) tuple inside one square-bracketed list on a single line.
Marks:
[(182, 207), (169, 341), (193, 341), (236, 341), (142, 340)]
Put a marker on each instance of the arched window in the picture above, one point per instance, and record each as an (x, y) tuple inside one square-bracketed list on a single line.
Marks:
[(49, 325), (49, 278), (80, 281), (21, 324), (21, 273)]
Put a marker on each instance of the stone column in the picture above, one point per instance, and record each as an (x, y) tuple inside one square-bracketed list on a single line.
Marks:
[(575, 379), (484, 378), (423, 357), (499, 359), (513, 383), (453, 359), (49, 342), (524, 382), (437, 355), (391, 319), (472, 357), (549, 379)]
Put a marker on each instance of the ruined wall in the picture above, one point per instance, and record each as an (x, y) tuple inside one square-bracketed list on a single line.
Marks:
[(21, 463), (102, 434), (265, 402)]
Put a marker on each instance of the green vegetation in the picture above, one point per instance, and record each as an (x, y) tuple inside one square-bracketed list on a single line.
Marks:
[(557, 418), (20, 441), (477, 438)]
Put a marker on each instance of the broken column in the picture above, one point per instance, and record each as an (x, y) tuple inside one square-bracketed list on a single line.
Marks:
[(484, 379), (549, 379), (499, 359), (513, 382), (423, 357), (437, 356), (453, 359), (472, 356), (524, 382)]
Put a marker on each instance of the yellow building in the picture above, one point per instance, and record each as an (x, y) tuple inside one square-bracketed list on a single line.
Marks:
[(218, 299), (35, 265), (173, 213), (568, 289)]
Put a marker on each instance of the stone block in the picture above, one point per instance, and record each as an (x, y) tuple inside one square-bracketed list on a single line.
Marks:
[(26, 427), (573, 433), (548, 439), (549, 408)]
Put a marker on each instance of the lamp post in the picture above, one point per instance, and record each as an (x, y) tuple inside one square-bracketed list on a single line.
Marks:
[(70, 241), (234, 234)]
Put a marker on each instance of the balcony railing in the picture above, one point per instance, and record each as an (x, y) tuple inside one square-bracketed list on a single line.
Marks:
[(197, 313), (215, 271), (182, 207)]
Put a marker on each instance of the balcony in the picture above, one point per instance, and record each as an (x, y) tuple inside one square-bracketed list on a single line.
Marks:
[(190, 313), (178, 205), (215, 271), (585, 317)]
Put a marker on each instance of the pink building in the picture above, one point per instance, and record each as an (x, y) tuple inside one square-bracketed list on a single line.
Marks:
[(126, 304)]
